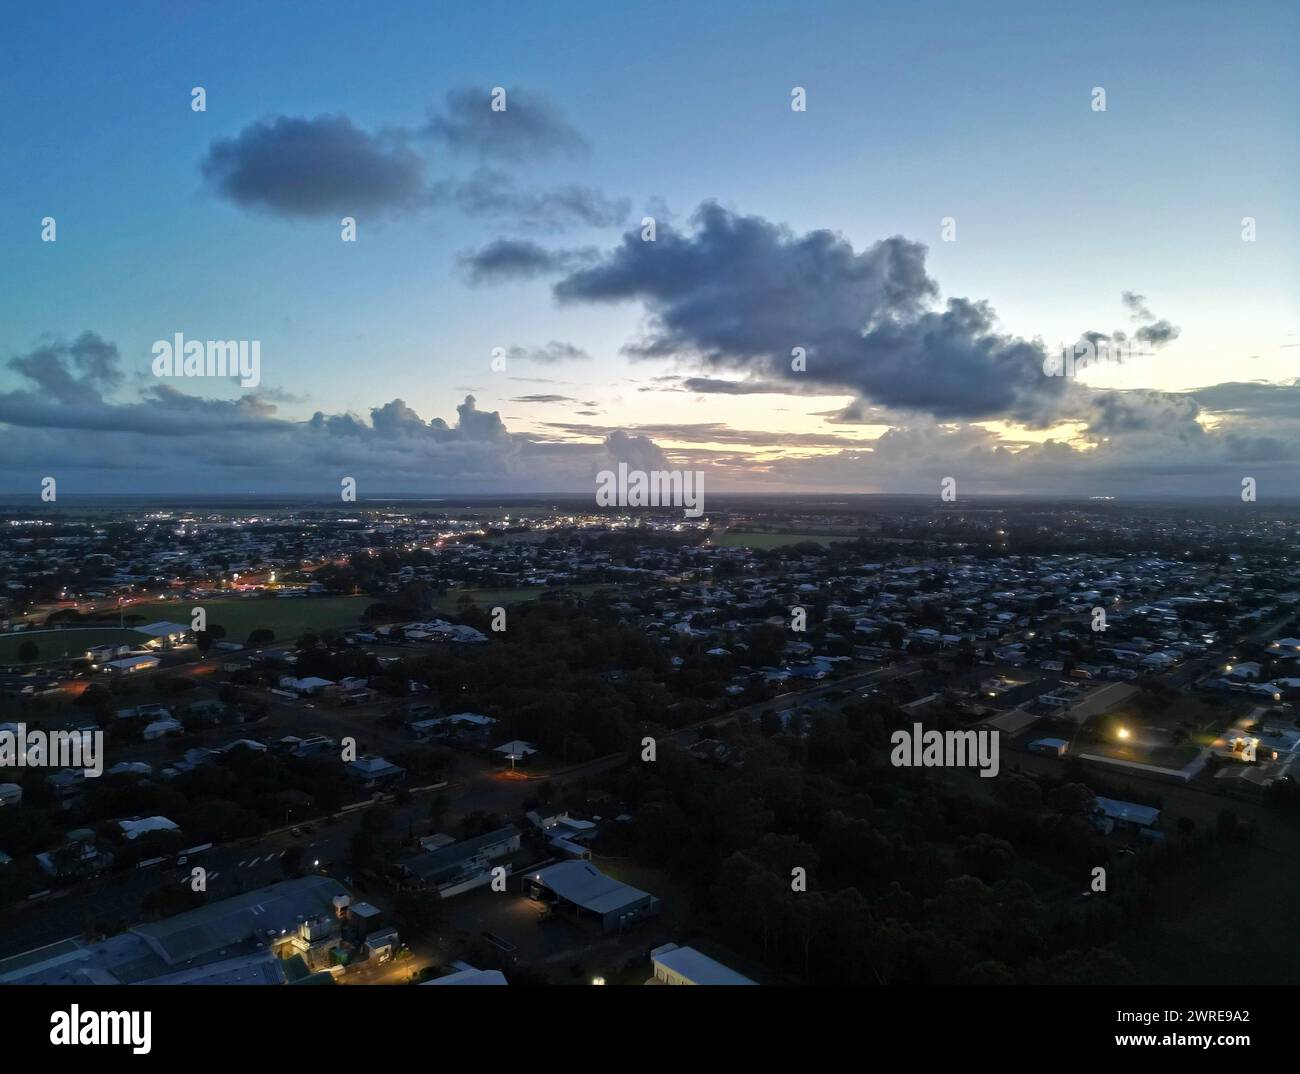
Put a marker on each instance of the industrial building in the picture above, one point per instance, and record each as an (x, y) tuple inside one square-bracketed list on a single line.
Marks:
[(586, 892)]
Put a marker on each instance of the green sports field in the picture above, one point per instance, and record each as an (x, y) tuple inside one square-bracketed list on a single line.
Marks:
[(62, 644), (288, 617)]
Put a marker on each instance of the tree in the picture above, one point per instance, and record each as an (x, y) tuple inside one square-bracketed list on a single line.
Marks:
[(438, 806), (261, 636)]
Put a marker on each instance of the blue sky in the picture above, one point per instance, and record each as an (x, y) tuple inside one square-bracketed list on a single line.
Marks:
[(915, 113)]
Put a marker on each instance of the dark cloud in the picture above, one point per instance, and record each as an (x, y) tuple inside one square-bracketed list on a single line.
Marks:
[(1251, 398), (716, 386), (551, 353), (71, 373), (492, 195), (741, 292), (520, 259), (715, 432), (1158, 333), (316, 167), (529, 127), (1154, 331), (61, 419), (329, 166), (1144, 410), (1136, 304)]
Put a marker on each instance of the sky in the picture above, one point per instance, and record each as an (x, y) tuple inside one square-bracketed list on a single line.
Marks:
[(950, 207)]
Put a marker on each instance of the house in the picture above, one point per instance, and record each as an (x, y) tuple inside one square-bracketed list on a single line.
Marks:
[(1112, 814), (381, 944), (462, 866), (135, 827), (159, 728), (310, 746), (587, 893), (76, 856), (308, 687), (1253, 780), (566, 834), (674, 965), (371, 771), (130, 768), (1053, 747)]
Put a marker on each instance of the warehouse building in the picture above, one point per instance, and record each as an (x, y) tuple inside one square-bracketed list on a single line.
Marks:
[(587, 893)]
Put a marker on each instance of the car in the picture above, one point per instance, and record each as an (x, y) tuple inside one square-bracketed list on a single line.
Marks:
[(295, 832)]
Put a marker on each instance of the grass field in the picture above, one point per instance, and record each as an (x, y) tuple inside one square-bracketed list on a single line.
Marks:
[(289, 618), (61, 644), (765, 541)]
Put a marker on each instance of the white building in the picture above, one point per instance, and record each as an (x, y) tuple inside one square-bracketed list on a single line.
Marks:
[(164, 635), (675, 965), (138, 826), (129, 665)]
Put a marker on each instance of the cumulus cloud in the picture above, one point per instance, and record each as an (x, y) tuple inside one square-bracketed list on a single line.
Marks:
[(740, 292), (1253, 398), (71, 373), (520, 259), (65, 417), (1143, 411), (328, 165), (530, 127), (293, 166)]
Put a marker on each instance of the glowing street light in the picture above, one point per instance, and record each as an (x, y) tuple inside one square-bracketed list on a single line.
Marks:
[(1123, 732)]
